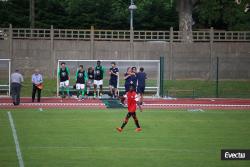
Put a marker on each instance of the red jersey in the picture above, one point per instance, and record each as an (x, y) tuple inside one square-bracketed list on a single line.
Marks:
[(131, 98)]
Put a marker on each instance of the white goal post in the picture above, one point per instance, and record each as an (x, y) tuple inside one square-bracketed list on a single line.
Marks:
[(5, 72), (151, 68)]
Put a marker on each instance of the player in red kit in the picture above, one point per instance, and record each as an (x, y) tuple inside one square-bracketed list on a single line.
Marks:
[(132, 101)]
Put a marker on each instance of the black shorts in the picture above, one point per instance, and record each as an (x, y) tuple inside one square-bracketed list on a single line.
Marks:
[(113, 83), (129, 114), (140, 89)]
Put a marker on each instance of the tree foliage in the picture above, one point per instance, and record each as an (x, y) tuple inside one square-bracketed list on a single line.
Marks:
[(221, 14), (114, 14)]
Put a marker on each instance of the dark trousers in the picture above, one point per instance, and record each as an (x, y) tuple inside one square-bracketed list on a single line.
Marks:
[(15, 93), (35, 89)]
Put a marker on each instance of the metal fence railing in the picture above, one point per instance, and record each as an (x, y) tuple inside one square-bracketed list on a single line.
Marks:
[(152, 35), (123, 35), (111, 35), (22, 33), (71, 34), (201, 35), (232, 36)]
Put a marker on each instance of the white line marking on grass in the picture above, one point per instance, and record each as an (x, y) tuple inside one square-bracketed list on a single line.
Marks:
[(18, 151)]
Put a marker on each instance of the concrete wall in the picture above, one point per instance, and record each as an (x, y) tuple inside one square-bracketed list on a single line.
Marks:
[(234, 60), (182, 61), (191, 61)]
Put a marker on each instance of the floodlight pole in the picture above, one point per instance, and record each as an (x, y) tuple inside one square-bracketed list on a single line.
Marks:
[(132, 7), (9, 76)]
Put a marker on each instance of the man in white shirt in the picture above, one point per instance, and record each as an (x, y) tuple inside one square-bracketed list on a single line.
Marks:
[(37, 81)]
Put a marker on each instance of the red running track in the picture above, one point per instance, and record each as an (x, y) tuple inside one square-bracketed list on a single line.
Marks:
[(6, 103), (233, 104), (221, 104)]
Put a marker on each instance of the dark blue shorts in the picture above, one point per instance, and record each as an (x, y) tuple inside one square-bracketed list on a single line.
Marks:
[(140, 89), (126, 87), (113, 83)]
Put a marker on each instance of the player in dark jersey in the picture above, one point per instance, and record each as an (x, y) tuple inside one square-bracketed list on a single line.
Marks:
[(141, 82), (91, 75), (113, 81), (63, 74), (132, 101), (98, 80), (81, 78), (133, 76), (127, 78)]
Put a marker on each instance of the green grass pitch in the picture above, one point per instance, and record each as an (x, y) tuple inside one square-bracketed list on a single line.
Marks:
[(175, 138)]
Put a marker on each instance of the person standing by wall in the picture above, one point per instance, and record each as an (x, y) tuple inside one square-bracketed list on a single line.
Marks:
[(113, 81), (98, 81), (16, 80), (127, 78), (37, 81), (133, 76), (141, 83)]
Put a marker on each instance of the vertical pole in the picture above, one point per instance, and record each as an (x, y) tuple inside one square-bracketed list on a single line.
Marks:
[(131, 57), (92, 38), (131, 31), (9, 75), (131, 16), (211, 52), (10, 38), (217, 77), (10, 42), (161, 76), (52, 51), (57, 79), (131, 45), (158, 79), (171, 53)]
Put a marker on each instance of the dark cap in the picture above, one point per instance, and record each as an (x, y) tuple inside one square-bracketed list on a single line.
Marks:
[(141, 69)]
